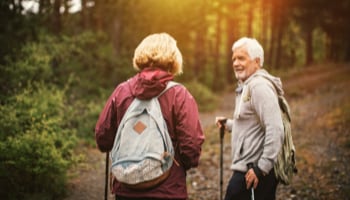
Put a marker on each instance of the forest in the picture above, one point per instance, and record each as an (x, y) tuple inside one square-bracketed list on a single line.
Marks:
[(58, 65)]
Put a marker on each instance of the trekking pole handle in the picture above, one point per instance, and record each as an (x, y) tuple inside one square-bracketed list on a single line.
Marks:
[(250, 165), (222, 128)]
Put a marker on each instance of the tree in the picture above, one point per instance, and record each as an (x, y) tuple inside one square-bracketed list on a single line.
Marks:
[(56, 17), (335, 22), (232, 35), (307, 14)]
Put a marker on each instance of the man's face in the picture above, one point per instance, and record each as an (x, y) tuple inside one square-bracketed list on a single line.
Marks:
[(243, 66)]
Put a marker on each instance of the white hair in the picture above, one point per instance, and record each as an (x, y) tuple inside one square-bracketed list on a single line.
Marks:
[(252, 46)]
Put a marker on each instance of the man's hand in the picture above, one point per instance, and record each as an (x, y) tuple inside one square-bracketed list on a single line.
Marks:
[(220, 121), (251, 178)]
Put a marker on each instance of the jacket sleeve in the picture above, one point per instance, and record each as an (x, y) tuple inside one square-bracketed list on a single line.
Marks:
[(106, 125), (188, 129)]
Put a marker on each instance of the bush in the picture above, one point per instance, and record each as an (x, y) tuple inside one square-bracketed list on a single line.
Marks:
[(51, 90), (34, 65), (84, 117), (206, 99), (36, 146), (87, 60)]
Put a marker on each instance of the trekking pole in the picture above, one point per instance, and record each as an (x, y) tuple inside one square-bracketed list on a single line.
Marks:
[(106, 181), (250, 165), (222, 133)]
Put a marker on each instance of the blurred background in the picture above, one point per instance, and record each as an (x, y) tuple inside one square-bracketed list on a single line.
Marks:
[(61, 59)]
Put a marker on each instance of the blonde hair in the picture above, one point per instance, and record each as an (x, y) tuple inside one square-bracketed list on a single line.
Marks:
[(159, 51)]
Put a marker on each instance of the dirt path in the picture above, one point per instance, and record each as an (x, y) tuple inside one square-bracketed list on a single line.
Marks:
[(317, 97)]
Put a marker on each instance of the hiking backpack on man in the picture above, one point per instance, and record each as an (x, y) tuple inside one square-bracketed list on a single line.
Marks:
[(285, 166)]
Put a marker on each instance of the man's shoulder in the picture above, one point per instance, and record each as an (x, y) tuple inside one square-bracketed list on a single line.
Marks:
[(258, 81), (259, 85)]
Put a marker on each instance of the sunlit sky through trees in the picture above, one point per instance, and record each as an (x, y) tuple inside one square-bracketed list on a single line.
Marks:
[(33, 6)]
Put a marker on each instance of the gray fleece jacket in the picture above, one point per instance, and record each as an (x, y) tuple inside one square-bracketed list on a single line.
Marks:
[(257, 127)]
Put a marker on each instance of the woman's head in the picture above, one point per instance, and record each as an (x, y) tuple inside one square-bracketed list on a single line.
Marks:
[(158, 51)]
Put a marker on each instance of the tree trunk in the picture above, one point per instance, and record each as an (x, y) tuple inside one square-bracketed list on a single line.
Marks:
[(265, 19), (42, 5), (66, 8), (116, 35), (279, 29), (217, 67), (83, 15), (231, 37), (56, 18), (199, 54), (269, 58), (250, 20), (276, 15), (309, 49), (98, 23), (278, 46)]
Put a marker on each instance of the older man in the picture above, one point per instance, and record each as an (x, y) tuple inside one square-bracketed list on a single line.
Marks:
[(256, 127)]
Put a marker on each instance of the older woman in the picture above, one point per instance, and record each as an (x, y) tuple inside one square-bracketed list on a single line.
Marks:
[(158, 60)]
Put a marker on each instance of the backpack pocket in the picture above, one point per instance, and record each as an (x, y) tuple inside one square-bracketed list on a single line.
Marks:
[(145, 174)]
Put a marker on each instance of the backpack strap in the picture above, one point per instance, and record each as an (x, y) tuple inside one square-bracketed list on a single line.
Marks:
[(281, 100), (169, 85)]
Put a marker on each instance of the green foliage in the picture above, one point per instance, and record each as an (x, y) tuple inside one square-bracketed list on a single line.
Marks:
[(206, 99), (36, 146), (17, 74), (84, 117), (87, 61), (53, 90), (90, 57), (319, 44)]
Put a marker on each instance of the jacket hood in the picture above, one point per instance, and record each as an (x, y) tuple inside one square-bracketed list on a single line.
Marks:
[(149, 83), (276, 81)]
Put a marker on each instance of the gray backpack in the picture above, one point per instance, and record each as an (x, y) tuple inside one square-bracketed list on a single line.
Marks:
[(142, 154)]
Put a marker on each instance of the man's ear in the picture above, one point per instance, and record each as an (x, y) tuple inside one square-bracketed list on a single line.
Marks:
[(257, 61)]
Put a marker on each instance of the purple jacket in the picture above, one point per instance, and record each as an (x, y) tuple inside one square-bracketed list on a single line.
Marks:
[(181, 115)]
